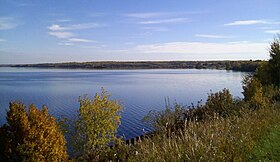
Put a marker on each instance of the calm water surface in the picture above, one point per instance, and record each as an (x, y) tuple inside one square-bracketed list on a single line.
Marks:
[(139, 90)]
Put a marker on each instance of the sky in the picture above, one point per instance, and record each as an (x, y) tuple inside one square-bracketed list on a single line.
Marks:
[(40, 31)]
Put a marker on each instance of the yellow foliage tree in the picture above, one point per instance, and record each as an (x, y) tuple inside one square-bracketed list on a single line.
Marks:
[(96, 126), (254, 93), (33, 135)]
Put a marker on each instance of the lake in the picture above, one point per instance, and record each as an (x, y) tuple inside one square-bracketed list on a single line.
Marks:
[(139, 90)]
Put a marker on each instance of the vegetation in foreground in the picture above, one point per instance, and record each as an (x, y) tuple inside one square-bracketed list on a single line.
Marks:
[(224, 129), (268, 147), (218, 139), (31, 135)]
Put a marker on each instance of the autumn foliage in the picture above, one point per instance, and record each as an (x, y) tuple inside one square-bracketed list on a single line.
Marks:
[(31, 135), (95, 127)]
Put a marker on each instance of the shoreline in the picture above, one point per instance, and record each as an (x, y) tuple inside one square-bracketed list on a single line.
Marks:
[(244, 66)]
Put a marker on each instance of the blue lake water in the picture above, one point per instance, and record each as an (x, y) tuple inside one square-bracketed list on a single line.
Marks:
[(139, 90)]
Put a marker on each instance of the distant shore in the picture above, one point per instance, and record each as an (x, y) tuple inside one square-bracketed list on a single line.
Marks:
[(246, 66)]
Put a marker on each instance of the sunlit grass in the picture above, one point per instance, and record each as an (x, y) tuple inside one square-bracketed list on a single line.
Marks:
[(220, 139)]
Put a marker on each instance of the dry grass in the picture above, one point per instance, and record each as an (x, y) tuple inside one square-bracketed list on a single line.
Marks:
[(220, 139)]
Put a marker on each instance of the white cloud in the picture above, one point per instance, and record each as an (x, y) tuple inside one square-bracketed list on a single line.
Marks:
[(273, 31), (247, 22), (62, 20), (160, 29), (68, 37), (94, 46), (65, 44), (62, 34), (7, 23), (165, 21), (145, 15), (211, 36), (203, 48), (80, 40), (238, 42), (56, 27)]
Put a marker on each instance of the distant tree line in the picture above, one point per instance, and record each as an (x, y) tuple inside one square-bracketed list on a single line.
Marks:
[(246, 66)]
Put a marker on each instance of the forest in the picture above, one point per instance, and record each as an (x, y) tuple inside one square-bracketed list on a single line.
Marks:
[(246, 66)]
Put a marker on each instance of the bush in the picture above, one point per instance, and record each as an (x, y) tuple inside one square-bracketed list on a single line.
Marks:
[(166, 120), (272, 93), (32, 135), (220, 104), (95, 127)]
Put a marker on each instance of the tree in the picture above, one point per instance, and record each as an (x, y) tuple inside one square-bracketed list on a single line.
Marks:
[(96, 126), (32, 135), (268, 73), (274, 61), (263, 74), (254, 93)]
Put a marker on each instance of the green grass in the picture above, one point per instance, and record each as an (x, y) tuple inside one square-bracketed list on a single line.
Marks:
[(268, 148)]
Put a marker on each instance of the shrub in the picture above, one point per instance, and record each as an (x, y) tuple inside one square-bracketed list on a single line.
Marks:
[(220, 103), (170, 118), (95, 127), (32, 135)]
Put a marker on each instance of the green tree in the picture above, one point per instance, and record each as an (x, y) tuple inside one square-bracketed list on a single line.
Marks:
[(263, 74), (95, 127), (32, 135), (274, 61), (269, 72)]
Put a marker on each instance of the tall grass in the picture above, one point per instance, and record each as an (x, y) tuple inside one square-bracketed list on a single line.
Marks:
[(219, 139), (268, 147)]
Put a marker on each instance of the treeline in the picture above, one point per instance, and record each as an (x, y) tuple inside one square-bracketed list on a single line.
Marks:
[(222, 129), (246, 66)]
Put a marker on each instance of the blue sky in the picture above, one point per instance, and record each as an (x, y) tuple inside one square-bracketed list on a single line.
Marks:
[(37, 31)]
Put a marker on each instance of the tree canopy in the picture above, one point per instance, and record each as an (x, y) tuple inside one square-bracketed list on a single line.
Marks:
[(269, 73), (96, 126), (32, 135)]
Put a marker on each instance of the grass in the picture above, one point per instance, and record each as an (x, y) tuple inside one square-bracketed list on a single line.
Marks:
[(268, 148), (222, 139)]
